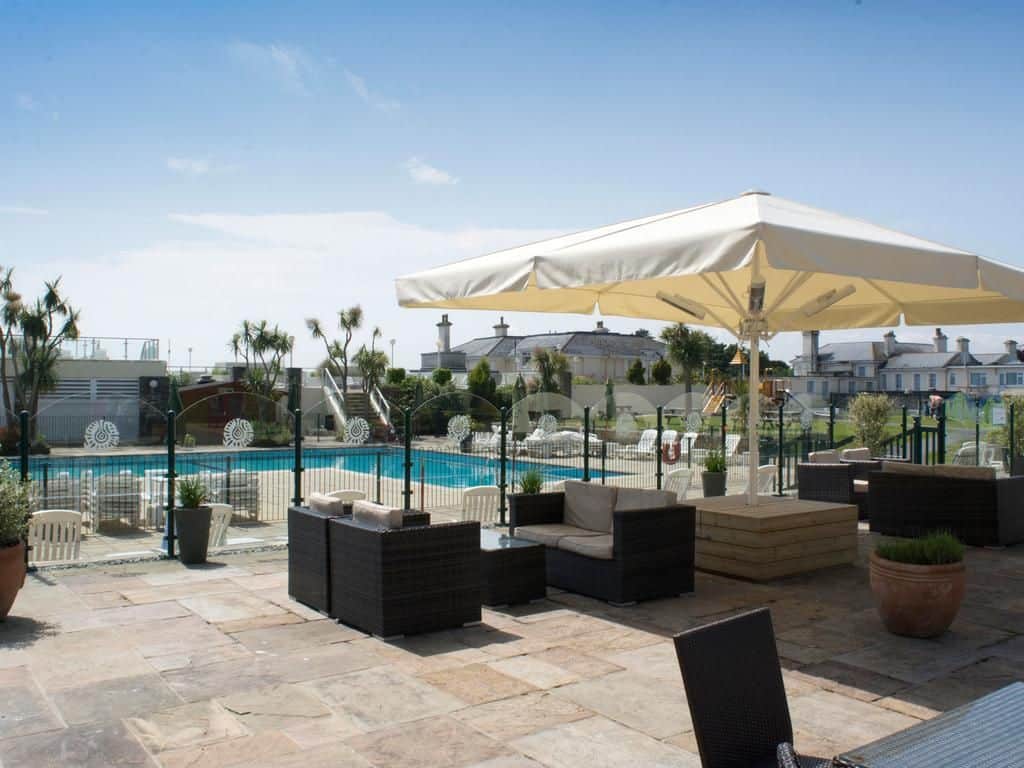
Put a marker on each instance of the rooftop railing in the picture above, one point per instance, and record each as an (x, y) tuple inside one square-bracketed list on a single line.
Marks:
[(110, 348)]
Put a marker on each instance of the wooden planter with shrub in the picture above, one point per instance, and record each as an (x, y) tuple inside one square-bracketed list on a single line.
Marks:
[(918, 584)]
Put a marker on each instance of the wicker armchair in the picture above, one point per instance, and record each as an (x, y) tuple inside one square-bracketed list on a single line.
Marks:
[(652, 550), (735, 692), (830, 482), (406, 580)]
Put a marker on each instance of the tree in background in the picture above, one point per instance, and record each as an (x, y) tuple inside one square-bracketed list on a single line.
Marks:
[(661, 372), (688, 349), (349, 321), (394, 376), (372, 364), (480, 382), (263, 350), (870, 416), (519, 388), (441, 376), (635, 374), (552, 366), (31, 335), (609, 399), (643, 333)]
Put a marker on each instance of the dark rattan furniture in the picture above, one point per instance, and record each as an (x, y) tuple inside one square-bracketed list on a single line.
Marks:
[(512, 570), (405, 580), (735, 692), (652, 551), (987, 733), (980, 512), (817, 481), (309, 559)]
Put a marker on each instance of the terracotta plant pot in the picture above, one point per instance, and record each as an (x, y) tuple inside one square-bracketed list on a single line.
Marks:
[(12, 576), (917, 600), (713, 483)]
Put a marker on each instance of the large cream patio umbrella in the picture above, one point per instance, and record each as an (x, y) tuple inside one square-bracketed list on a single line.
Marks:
[(754, 265)]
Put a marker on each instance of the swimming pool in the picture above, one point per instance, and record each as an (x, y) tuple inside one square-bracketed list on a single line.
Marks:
[(452, 470)]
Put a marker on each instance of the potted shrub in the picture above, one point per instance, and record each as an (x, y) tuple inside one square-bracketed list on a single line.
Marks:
[(15, 511), (918, 584), (531, 481), (714, 475), (870, 416), (192, 521)]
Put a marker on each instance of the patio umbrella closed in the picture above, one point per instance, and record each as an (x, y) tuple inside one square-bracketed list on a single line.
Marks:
[(754, 265)]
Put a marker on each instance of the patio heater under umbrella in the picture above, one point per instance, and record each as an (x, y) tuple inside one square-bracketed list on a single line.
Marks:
[(754, 265)]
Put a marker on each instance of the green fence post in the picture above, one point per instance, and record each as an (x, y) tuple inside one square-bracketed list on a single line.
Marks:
[(831, 425), (502, 457), (903, 442), (378, 477), (942, 436), (586, 444), (977, 434), (725, 408), (604, 461), (1012, 442), (297, 469), (782, 406), (917, 442), (407, 464), (23, 444), (171, 475), (657, 455)]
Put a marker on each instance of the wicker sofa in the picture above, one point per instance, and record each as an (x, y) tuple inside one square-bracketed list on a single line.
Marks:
[(978, 508), (615, 544), (390, 579)]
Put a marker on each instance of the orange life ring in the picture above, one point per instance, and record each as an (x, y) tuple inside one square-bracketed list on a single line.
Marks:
[(667, 457)]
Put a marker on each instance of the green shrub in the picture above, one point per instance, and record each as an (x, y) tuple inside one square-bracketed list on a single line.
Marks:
[(939, 548), (15, 506), (268, 434), (188, 441), (394, 376), (661, 372), (531, 481), (715, 462), (870, 416), (191, 492), (441, 376), (635, 374)]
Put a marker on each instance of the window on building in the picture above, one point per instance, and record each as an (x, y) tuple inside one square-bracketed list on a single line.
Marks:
[(871, 386), (952, 379), (899, 381), (933, 381), (979, 379), (885, 382), (810, 386), (1013, 379), (917, 382), (862, 371), (851, 386), (824, 389)]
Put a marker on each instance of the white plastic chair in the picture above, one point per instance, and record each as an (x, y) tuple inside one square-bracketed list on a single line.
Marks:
[(765, 475), (678, 480), (220, 519), (348, 494), (646, 445), (55, 534), (481, 502)]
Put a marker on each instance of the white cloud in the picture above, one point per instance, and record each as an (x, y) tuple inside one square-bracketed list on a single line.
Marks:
[(287, 65), (375, 100), (25, 102), (23, 210), (189, 166), (423, 173)]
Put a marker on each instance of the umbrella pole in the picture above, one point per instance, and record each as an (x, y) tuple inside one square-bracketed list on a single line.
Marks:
[(753, 417)]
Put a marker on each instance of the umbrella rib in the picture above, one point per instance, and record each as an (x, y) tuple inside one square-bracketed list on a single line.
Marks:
[(895, 302), (736, 306), (794, 283)]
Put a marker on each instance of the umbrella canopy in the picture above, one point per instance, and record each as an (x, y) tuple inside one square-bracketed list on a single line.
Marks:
[(754, 265)]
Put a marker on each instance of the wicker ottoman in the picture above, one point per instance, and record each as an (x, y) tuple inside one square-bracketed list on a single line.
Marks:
[(511, 570), (309, 559)]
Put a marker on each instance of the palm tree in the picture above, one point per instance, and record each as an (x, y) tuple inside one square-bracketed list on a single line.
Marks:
[(372, 365), (552, 366), (349, 321), (263, 349), (688, 349)]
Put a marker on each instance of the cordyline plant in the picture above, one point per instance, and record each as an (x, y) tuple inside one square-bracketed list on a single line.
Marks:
[(15, 506), (349, 321), (870, 416)]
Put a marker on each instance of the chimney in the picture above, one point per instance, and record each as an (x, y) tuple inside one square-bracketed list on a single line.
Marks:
[(811, 350), (940, 341), (1011, 349), (444, 335), (501, 329), (963, 346), (890, 343), (600, 327)]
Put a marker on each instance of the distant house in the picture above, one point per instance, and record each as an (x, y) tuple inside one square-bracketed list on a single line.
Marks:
[(845, 368), (598, 354)]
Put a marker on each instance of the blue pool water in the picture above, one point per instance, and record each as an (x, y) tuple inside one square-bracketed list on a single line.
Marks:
[(453, 470)]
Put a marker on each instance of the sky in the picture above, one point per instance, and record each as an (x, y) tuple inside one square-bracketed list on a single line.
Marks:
[(185, 166)]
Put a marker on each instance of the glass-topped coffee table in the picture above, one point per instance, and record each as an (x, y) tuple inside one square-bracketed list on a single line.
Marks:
[(512, 570)]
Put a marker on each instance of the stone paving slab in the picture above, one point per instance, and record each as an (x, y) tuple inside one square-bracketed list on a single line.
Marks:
[(156, 664)]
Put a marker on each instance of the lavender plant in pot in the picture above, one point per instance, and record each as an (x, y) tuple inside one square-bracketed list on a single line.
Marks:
[(15, 512)]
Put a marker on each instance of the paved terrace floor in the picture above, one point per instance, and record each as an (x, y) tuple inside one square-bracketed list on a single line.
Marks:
[(152, 663)]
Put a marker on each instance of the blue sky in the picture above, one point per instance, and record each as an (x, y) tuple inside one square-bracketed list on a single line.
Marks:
[(187, 166)]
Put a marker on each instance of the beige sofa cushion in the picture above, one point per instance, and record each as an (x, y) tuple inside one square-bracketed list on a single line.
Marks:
[(905, 468), (320, 502), (967, 473), (377, 515), (589, 505), (598, 547), (823, 457), (549, 534), (642, 498), (856, 454)]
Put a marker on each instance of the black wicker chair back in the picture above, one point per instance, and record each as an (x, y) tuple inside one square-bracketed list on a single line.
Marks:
[(734, 688)]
